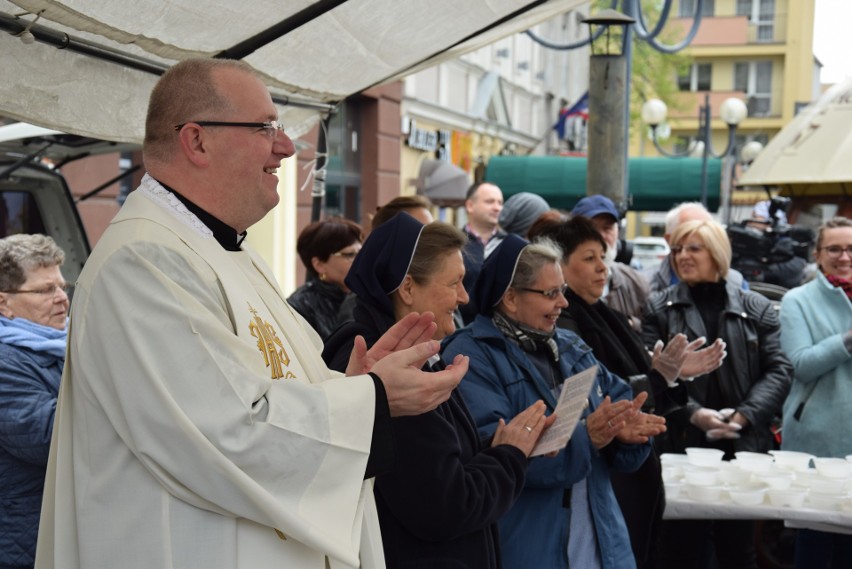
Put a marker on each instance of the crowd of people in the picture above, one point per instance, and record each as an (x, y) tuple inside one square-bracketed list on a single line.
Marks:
[(387, 412)]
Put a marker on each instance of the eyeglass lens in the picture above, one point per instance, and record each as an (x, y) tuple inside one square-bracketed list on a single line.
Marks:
[(837, 250)]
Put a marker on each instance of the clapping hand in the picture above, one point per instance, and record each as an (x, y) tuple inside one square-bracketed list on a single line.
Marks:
[(397, 358), (608, 419), (669, 360), (680, 358), (705, 360), (639, 428), (412, 330), (525, 429)]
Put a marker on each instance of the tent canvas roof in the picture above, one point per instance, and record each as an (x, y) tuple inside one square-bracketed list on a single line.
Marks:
[(813, 149), (309, 52)]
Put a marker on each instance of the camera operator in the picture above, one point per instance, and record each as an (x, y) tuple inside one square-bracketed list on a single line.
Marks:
[(766, 249)]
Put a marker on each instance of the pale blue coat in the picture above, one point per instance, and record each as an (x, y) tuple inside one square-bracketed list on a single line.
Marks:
[(817, 418)]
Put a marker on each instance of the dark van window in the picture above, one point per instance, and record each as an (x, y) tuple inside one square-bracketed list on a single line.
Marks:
[(19, 213)]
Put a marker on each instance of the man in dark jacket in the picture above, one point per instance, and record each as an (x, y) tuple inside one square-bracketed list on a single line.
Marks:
[(484, 204)]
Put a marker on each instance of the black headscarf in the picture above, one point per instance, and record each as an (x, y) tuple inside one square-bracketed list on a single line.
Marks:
[(381, 265), (496, 275)]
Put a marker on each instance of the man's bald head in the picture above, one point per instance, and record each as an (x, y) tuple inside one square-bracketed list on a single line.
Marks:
[(186, 92)]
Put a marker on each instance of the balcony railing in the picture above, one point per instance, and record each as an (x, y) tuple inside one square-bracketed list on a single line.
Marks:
[(768, 31), (734, 30), (690, 102)]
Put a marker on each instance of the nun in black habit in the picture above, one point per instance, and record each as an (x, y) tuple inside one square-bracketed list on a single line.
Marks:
[(439, 505)]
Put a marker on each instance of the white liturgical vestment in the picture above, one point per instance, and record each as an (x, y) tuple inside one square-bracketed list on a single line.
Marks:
[(197, 425)]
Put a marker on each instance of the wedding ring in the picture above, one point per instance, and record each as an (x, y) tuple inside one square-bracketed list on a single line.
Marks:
[(528, 428), (609, 423)]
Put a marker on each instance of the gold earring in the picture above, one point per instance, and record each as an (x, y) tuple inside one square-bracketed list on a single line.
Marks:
[(322, 277)]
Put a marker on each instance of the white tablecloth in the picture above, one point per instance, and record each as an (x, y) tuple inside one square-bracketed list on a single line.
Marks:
[(822, 520)]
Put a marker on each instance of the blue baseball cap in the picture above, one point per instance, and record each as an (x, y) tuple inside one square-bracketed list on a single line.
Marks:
[(590, 206)]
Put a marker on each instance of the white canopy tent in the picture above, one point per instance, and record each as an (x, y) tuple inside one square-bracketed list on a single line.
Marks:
[(812, 152), (92, 64)]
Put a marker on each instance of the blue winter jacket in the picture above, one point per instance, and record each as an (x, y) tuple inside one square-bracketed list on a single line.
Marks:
[(814, 319), (502, 382), (29, 385)]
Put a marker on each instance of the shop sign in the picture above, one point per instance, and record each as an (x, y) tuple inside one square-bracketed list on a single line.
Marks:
[(437, 141)]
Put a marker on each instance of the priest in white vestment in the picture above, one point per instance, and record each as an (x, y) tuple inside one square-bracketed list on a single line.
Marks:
[(197, 425)]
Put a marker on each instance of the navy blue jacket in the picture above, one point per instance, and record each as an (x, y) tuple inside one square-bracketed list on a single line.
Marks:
[(29, 385), (502, 382)]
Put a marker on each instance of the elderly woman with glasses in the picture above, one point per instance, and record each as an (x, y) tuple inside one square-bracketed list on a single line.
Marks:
[(567, 514), (439, 505), (327, 249), (816, 334), (732, 407), (33, 312)]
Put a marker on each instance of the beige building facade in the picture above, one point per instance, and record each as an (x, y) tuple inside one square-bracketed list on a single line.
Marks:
[(760, 51)]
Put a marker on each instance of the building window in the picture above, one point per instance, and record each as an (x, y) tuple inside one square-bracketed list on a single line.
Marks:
[(687, 8), (761, 14), (696, 78), (754, 78)]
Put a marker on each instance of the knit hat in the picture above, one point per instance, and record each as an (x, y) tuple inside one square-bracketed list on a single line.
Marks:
[(520, 211)]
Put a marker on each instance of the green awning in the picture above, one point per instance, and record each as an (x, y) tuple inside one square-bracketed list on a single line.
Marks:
[(656, 184)]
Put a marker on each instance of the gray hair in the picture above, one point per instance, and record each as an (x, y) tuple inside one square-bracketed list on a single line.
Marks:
[(21, 253), (673, 216), (539, 254)]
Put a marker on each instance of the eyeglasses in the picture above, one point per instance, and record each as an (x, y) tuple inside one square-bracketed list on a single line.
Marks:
[(836, 251), (551, 294), (691, 248), (46, 291), (271, 128), (348, 255)]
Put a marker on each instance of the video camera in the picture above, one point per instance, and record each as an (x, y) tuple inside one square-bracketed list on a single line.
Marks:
[(762, 255)]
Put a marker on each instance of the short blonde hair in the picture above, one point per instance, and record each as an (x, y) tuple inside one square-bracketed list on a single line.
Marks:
[(713, 236), (186, 92)]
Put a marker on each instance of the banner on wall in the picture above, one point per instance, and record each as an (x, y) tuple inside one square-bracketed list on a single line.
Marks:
[(462, 150)]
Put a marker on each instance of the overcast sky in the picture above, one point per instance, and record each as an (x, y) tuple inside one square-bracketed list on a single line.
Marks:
[(832, 42)]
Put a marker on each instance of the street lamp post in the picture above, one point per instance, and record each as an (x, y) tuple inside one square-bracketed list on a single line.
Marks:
[(634, 24), (608, 96), (732, 111)]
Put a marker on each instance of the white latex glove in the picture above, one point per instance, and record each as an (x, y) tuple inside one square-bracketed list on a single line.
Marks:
[(715, 424), (698, 362), (670, 360)]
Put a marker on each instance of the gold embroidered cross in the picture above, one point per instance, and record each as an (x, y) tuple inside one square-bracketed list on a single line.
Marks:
[(274, 354)]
